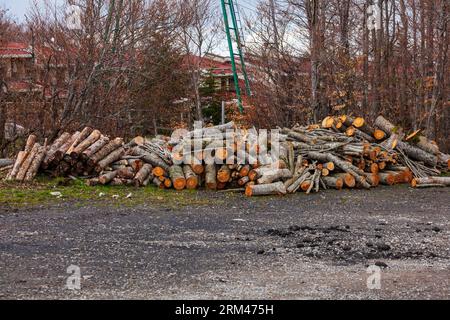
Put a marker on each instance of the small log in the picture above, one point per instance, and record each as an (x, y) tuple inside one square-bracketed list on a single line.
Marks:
[(349, 180), (327, 122), (158, 172), (224, 174), (107, 177), (426, 145), (210, 176), (387, 179), (431, 181), (167, 183), (177, 176), (92, 182), (243, 181), (333, 182), (346, 120), (191, 177), (418, 154), (142, 175), (297, 183), (276, 188), (36, 164), (6, 162), (198, 168), (244, 171), (112, 157), (136, 164), (126, 173)]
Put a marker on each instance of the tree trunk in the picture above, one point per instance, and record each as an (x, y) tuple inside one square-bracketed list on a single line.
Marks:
[(177, 176), (36, 164), (276, 188)]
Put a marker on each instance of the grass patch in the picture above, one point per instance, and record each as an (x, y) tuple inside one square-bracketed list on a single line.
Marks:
[(76, 192)]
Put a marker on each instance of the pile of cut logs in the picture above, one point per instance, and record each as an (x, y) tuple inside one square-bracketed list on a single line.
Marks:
[(341, 152)]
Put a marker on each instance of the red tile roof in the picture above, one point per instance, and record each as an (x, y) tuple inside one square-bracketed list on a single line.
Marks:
[(15, 50)]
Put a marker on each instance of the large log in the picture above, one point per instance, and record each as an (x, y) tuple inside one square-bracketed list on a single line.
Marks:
[(177, 176), (105, 151), (142, 175), (385, 125), (191, 177), (112, 157), (54, 148), (276, 188), (36, 164), (59, 154), (274, 175), (21, 156), (81, 137), (150, 158), (27, 163), (445, 181), (95, 147), (418, 154), (210, 176), (86, 143)]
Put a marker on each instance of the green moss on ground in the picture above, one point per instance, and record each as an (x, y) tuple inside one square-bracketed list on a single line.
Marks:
[(14, 194)]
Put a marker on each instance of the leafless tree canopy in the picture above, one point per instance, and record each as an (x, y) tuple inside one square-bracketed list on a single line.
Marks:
[(122, 70)]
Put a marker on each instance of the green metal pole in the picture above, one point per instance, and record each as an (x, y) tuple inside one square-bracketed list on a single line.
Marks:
[(230, 47), (239, 46)]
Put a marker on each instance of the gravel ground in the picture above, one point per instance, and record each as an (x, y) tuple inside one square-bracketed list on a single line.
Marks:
[(296, 247)]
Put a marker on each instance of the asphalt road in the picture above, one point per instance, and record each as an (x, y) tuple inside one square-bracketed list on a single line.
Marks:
[(296, 247)]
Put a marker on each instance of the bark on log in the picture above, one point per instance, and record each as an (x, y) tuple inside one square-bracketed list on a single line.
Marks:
[(386, 126), (54, 148), (31, 141), (210, 176), (126, 173), (276, 188), (274, 175), (59, 154), (177, 176), (431, 180), (150, 157), (296, 184), (224, 174), (349, 180), (418, 154), (191, 177), (105, 151), (83, 135), (112, 157), (86, 143), (21, 156), (27, 163), (95, 147), (426, 145), (344, 165), (386, 178), (6, 162), (36, 164), (142, 175), (333, 182), (107, 177)]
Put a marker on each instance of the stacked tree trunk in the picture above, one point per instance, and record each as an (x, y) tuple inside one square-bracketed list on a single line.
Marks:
[(340, 152)]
